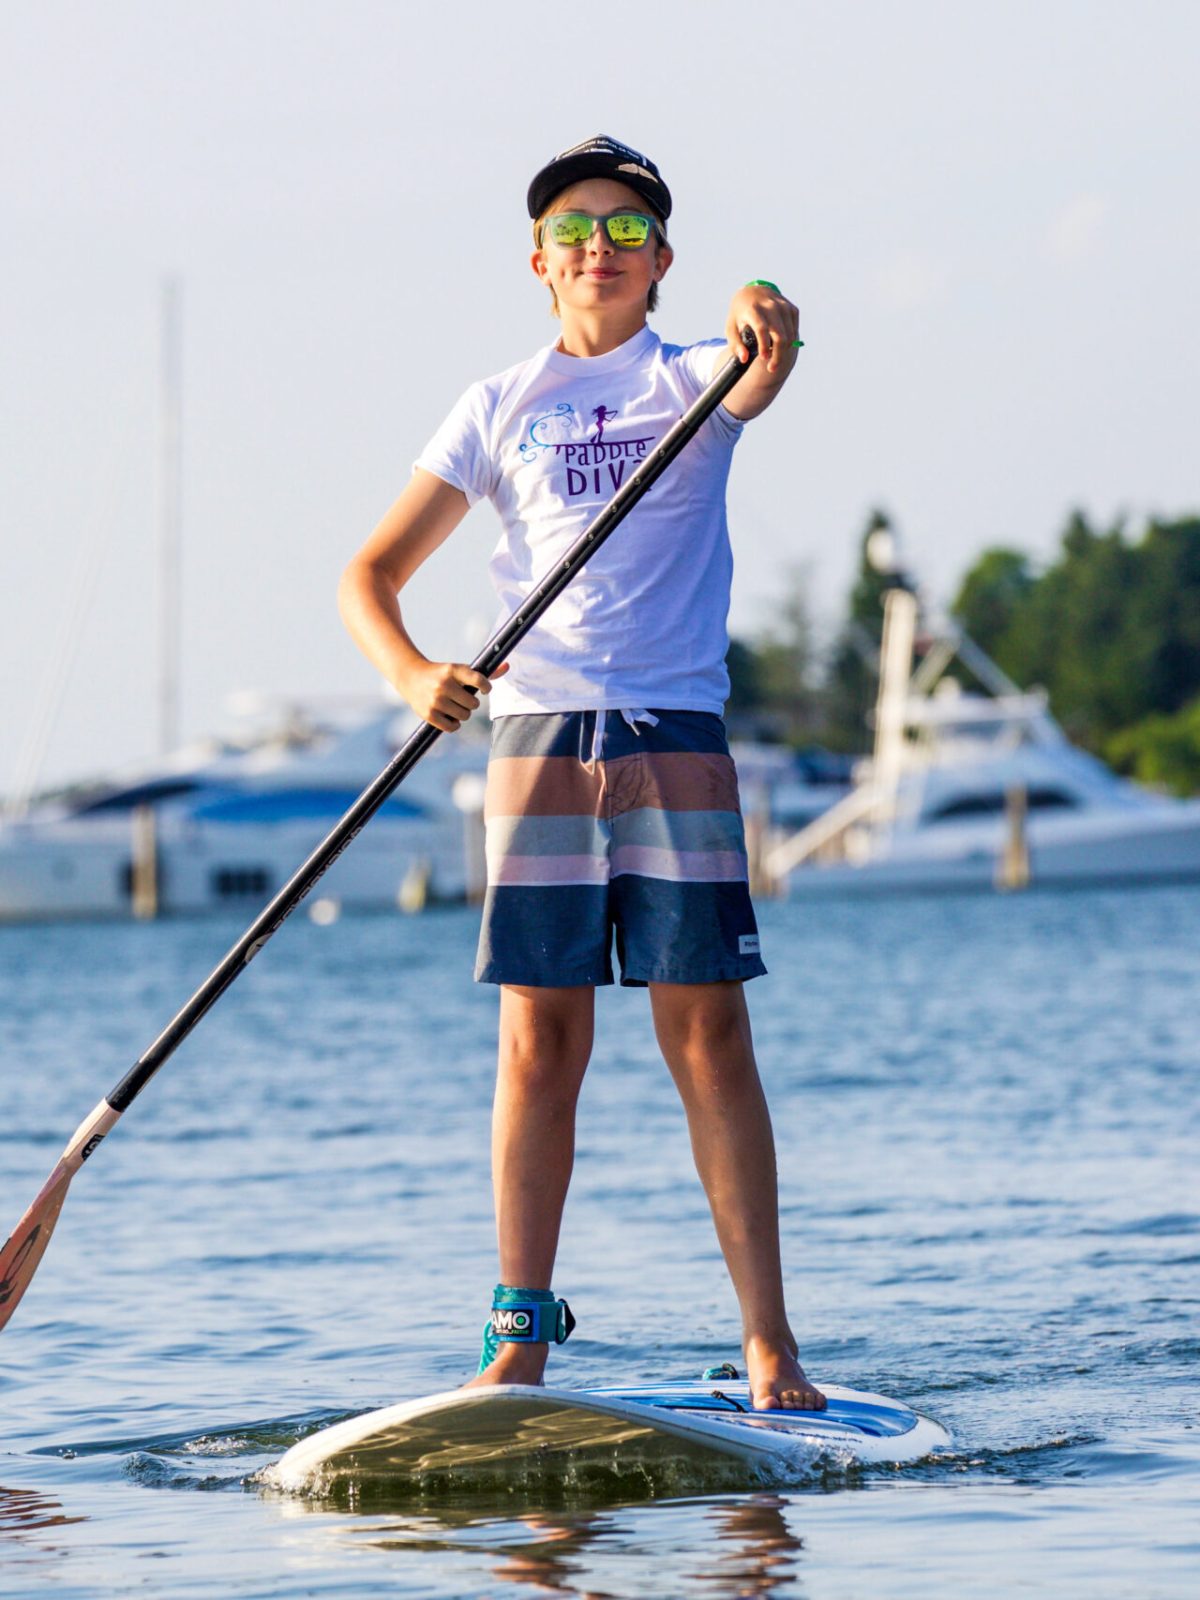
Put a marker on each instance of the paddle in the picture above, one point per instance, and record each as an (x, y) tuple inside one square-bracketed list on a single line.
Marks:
[(26, 1245)]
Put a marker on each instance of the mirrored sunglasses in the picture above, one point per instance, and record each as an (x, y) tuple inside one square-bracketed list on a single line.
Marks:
[(571, 230)]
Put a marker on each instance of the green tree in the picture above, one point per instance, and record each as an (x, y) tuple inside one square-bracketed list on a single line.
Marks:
[(992, 594), (1165, 613), (1111, 629), (1162, 750), (772, 694), (744, 689)]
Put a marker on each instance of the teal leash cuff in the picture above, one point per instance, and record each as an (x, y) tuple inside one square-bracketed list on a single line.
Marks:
[(524, 1316)]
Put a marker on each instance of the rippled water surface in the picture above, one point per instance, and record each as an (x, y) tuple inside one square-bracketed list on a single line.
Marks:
[(987, 1117)]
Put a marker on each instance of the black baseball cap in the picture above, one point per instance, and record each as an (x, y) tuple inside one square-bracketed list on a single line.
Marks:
[(600, 157)]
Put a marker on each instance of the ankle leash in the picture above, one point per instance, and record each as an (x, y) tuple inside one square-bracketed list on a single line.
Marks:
[(524, 1316)]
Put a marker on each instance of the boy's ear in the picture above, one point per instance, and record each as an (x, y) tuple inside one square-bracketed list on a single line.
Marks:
[(663, 260), (538, 262)]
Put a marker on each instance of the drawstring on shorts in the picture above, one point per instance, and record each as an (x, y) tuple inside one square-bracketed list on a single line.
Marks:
[(631, 716)]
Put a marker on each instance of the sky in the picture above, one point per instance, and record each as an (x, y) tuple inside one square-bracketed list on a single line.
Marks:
[(985, 212)]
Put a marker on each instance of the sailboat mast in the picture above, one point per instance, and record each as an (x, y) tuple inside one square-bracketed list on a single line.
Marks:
[(170, 506)]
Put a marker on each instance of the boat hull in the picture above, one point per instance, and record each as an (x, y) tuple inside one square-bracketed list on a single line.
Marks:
[(81, 870), (1159, 846)]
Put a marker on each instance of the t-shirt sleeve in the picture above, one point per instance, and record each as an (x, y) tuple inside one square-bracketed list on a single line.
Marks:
[(459, 452), (700, 363)]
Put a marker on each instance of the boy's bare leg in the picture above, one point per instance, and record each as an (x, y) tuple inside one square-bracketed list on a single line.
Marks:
[(704, 1033), (545, 1043)]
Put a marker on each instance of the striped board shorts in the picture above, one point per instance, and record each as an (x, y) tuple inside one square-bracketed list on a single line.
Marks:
[(603, 823)]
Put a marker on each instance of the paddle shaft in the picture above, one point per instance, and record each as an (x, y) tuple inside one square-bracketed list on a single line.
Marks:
[(496, 651)]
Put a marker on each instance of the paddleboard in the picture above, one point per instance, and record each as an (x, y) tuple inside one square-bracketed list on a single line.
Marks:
[(512, 1431)]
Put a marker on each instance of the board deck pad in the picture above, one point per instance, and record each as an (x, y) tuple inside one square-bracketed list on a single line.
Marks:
[(669, 1436)]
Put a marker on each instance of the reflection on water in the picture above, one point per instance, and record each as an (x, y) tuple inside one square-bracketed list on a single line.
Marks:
[(756, 1548), (27, 1511), (735, 1546), (550, 1560)]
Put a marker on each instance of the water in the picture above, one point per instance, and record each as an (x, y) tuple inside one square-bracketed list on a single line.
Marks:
[(987, 1121)]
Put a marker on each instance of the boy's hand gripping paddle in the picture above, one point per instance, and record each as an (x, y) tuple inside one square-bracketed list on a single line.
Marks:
[(24, 1248)]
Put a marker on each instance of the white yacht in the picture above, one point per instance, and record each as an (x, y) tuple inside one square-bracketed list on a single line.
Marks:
[(970, 790), (222, 825)]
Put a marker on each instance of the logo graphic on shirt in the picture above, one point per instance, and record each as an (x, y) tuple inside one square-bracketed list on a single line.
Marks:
[(602, 415), (550, 432), (592, 463)]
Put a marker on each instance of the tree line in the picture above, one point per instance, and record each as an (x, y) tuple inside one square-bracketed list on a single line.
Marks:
[(1110, 628)]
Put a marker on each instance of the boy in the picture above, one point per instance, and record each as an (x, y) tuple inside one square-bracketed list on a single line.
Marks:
[(612, 800)]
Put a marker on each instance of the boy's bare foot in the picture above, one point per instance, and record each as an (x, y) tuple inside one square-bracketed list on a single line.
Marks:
[(777, 1380), (514, 1363)]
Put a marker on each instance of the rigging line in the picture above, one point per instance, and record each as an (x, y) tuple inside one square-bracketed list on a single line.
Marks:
[(94, 546)]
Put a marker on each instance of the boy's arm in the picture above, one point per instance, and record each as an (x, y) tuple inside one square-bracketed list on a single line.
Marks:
[(774, 321), (443, 693)]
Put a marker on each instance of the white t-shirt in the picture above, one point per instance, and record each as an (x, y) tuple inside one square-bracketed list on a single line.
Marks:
[(548, 443)]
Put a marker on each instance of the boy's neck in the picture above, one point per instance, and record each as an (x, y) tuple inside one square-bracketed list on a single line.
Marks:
[(592, 333)]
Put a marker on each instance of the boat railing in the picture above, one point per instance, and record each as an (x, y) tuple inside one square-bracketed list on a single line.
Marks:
[(823, 832)]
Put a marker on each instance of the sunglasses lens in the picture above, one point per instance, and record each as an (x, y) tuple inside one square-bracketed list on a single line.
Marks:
[(629, 230), (570, 229)]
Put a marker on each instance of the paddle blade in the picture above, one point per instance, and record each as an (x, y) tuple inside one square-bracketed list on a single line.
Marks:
[(24, 1248)]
